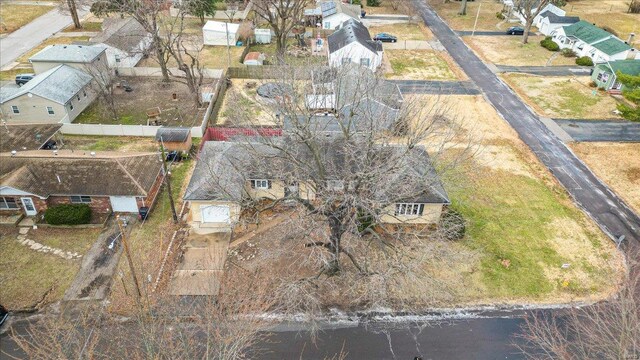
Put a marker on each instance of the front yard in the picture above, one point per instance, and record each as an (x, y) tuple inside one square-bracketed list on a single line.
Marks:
[(403, 31), (148, 93), (487, 19), (509, 50), (13, 16), (30, 278), (563, 97), (617, 164), (421, 65)]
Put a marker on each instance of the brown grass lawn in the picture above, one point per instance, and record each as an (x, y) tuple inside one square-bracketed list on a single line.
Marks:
[(509, 50), (384, 8), (404, 31), (211, 57), (418, 65), (611, 13), (240, 106), (31, 278), (487, 19), (617, 164), (562, 97), (110, 143), (13, 17), (86, 26)]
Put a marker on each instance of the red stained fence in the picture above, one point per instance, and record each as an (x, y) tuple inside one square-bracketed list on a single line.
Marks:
[(227, 133)]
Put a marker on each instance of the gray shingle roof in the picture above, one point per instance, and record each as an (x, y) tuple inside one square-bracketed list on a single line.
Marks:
[(124, 34), (173, 134), (352, 31), (58, 84), (25, 137), (333, 7), (555, 19), (77, 174), (68, 54)]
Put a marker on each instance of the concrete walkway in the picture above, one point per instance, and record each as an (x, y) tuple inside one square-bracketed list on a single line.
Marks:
[(437, 87), (202, 267), (36, 246), (601, 130), (31, 35), (546, 70)]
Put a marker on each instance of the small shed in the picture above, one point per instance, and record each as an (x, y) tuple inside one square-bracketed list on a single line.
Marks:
[(175, 138), (254, 58), (263, 36), (220, 33)]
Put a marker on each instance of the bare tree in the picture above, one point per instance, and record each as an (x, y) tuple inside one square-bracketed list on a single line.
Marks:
[(607, 330), (74, 13), (282, 16), (463, 8), (103, 85), (150, 14), (529, 9)]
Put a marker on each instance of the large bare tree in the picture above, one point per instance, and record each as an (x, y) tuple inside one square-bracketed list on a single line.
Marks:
[(529, 9), (282, 16)]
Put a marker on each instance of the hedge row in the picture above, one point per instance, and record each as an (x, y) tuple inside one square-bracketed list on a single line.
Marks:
[(68, 214), (549, 44)]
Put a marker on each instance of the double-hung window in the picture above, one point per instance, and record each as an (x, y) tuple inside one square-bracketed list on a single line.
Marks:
[(7, 203), (14, 109), (409, 209), (80, 199), (50, 110), (262, 184)]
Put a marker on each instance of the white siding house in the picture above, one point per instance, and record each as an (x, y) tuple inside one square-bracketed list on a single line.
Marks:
[(352, 43), (334, 13), (81, 57), (220, 33), (588, 40), (550, 22), (549, 8)]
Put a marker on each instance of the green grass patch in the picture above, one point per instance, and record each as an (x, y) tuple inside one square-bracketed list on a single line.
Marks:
[(573, 102), (90, 26), (509, 217)]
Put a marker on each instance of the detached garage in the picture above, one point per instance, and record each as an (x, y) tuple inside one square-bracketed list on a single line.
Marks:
[(220, 33)]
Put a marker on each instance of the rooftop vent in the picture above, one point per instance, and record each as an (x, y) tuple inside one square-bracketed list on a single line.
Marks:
[(93, 154), (13, 153)]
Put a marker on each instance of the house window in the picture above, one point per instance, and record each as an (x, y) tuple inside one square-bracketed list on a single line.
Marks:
[(78, 97), (50, 110), (409, 209), (365, 62), (70, 106), (80, 199), (117, 58), (335, 185), (15, 109), (84, 93), (8, 203), (261, 184), (604, 77), (346, 60)]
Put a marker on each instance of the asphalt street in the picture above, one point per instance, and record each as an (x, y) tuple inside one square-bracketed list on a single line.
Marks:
[(31, 35), (487, 33), (436, 87), (546, 70), (611, 214), (600, 130)]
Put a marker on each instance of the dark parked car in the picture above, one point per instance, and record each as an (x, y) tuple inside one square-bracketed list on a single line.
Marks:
[(4, 314), (174, 156), (22, 79), (515, 30), (384, 37)]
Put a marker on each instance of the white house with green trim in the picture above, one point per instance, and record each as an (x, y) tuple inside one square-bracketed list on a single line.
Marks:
[(589, 40), (605, 74)]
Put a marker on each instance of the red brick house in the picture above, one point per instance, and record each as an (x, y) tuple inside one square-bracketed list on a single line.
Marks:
[(31, 181)]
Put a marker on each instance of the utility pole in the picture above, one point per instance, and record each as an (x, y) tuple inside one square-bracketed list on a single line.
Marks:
[(475, 23), (167, 182), (126, 250)]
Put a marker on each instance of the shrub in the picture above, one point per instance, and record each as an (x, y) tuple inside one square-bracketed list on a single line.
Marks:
[(548, 44), (453, 225), (364, 221), (68, 214), (500, 15), (373, 3), (592, 84), (568, 53), (584, 61)]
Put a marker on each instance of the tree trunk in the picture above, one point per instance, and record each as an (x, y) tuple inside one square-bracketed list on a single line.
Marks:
[(281, 47), (463, 8), (335, 227), (160, 52), (527, 27), (74, 13)]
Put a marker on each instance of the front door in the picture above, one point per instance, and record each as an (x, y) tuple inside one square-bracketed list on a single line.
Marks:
[(29, 206)]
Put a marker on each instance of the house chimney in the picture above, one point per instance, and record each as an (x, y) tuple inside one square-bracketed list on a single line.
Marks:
[(631, 38)]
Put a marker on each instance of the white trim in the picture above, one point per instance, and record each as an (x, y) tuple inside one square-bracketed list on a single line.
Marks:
[(409, 209), (9, 191)]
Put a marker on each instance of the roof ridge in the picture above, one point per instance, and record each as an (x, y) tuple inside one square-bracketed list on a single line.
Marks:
[(117, 160)]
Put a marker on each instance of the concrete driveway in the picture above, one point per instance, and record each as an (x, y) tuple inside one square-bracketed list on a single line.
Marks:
[(202, 267)]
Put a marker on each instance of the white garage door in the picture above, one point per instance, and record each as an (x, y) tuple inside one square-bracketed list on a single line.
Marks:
[(124, 204), (215, 214)]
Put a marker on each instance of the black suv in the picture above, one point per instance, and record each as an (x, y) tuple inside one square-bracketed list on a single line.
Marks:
[(23, 78), (515, 30)]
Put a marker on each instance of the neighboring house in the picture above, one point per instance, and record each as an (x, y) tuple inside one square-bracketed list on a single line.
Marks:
[(220, 33), (254, 58), (175, 138), (335, 13), (352, 43), (549, 8), (32, 181), (589, 40), (227, 174), (56, 95), (351, 97), (125, 40), (605, 74), (89, 59), (27, 137), (550, 22)]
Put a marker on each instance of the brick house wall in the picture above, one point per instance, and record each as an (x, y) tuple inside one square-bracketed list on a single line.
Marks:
[(99, 204)]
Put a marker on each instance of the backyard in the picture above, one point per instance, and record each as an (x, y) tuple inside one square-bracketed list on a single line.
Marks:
[(30, 278), (563, 97), (241, 106), (110, 143), (148, 93), (617, 164), (15, 16), (611, 13), (421, 65), (509, 50), (211, 57)]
